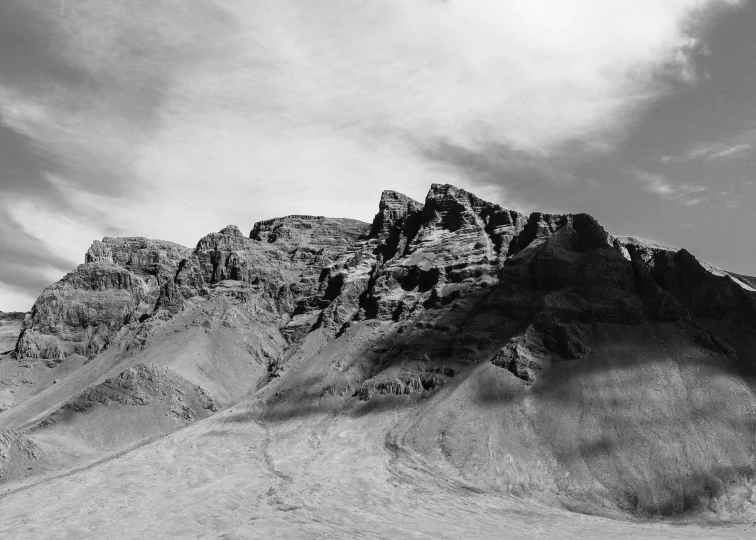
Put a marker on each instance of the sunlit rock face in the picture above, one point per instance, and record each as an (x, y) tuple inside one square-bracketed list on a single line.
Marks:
[(118, 284), (313, 271)]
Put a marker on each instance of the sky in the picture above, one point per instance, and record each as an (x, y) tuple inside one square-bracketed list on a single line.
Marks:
[(171, 118)]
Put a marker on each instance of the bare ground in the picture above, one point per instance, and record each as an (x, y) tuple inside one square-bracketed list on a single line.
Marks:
[(236, 475)]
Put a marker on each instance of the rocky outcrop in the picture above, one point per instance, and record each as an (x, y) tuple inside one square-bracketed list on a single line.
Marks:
[(227, 254), (142, 256), (459, 228), (83, 311), (300, 264), (521, 357), (16, 451), (555, 274), (314, 231), (140, 385), (396, 224), (401, 386), (453, 238), (118, 285)]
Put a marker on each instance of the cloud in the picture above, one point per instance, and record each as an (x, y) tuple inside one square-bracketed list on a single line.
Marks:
[(710, 151), (659, 185), (171, 118), (528, 75), (730, 205), (26, 262), (737, 149)]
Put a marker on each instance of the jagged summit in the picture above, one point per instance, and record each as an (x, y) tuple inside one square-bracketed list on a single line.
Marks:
[(231, 230), (454, 236), (533, 351), (393, 208)]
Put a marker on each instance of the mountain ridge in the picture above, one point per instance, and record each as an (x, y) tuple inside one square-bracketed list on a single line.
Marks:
[(537, 356)]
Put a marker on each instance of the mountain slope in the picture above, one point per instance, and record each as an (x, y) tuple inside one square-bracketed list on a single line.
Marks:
[(530, 356), (237, 475)]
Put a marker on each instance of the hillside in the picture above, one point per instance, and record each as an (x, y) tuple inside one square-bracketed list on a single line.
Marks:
[(451, 363)]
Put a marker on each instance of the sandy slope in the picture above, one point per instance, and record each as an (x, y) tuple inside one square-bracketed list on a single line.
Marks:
[(237, 476), (648, 424), (482, 457), (19, 380), (206, 347), (406, 466)]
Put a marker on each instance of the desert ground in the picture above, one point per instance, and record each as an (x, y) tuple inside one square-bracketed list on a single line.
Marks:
[(238, 475)]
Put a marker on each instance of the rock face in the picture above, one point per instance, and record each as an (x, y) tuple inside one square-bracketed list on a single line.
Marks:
[(118, 285), (396, 223), (141, 385), (553, 273), (504, 317), (124, 281), (453, 237), (16, 451)]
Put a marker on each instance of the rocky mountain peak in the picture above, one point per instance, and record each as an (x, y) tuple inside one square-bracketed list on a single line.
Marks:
[(303, 229), (462, 226), (326, 271), (135, 252), (231, 230), (445, 197), (577, 232), (393, 209)]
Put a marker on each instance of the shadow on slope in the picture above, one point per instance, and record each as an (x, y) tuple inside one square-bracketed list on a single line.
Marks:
[(632, 428)]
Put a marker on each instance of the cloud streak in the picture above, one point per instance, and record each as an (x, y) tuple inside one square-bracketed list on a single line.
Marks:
[(737, 149), (682, 194), (710, 151)]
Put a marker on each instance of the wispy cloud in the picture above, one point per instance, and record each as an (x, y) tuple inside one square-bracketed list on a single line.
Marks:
[(730, 205), (737, 149), (710, 151), (661, 186)]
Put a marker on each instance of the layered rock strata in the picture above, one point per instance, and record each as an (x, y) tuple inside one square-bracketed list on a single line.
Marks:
[(553, 273)]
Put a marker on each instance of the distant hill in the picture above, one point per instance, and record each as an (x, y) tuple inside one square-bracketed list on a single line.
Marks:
[(10, 327)]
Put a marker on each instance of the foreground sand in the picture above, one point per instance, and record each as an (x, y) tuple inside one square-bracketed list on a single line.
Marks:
[(236, 475)]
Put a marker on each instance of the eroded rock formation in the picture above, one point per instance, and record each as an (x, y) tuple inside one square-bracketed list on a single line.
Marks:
[(553, 273), (118, 285), (433, 298)]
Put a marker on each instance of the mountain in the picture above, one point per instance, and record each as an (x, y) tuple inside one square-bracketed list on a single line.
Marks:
[(451, 361)]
